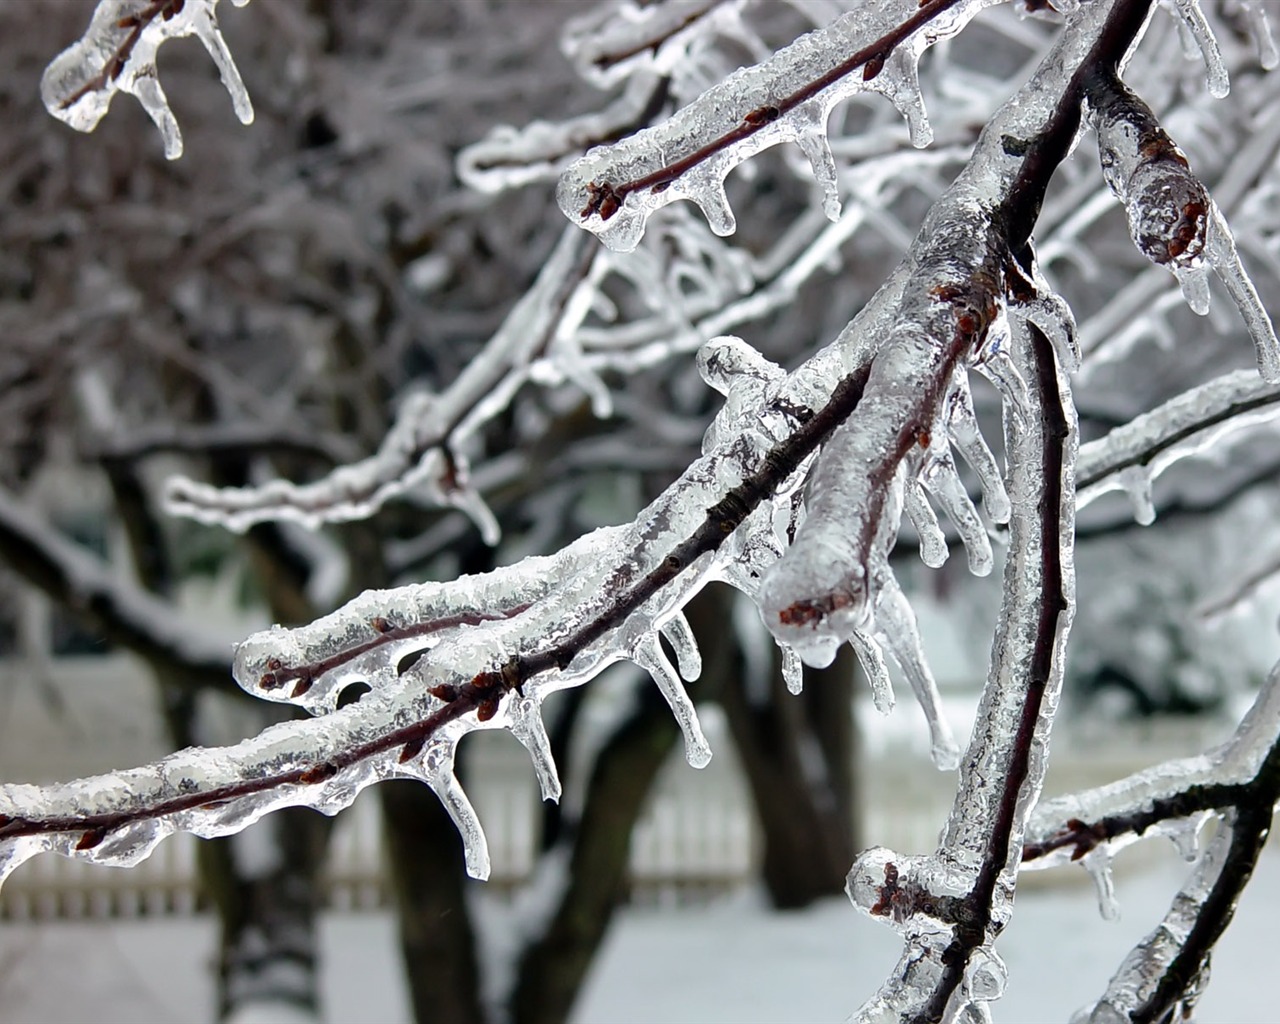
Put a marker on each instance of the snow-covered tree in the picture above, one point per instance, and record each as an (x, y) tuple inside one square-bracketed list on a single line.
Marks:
[(825, 438)]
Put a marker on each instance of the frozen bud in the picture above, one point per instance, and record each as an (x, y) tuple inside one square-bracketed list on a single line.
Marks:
[(1167, 205), (1168, 211)]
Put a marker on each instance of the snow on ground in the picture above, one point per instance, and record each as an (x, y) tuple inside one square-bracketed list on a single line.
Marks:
[(730, 963)]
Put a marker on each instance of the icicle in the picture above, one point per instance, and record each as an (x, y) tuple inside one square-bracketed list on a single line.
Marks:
[(817, 150), (1136, 482), (1194, 282), (899, 82), (527, 727), (1225, 260), (896, 629), (206, 29), (1098, 863), (1184, 833), (994, 363), (871, 658), (438, 774), (711, 199), (465, 498), (146, 88), (942, 479), (1192, 16), (933, 542), (966, 435), (678, 633), (1049, 311), (1256, 12), (792, 669), (648, 654)]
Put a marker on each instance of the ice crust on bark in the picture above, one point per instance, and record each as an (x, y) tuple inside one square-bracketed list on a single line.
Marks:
[(1200, 421), (757, 107), (117, 53), (1236, 761)]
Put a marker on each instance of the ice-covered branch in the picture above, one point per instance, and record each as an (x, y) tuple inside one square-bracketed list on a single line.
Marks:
[(1132, 456), (1239, 781), (419, 453), (117, 53), (787, 98), (1170, 798), (1172, 219), (951, 906), (606, 599)]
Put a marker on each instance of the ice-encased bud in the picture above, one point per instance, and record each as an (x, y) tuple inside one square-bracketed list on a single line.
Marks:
[(1168, 208)]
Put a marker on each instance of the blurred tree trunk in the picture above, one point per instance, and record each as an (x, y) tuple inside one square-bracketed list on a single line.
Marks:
[(553, 968), (428, 879), (797, 753)]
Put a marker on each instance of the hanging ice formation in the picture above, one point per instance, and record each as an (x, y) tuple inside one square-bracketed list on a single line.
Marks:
[(1200, 421), (1172, 219), (613, 190), (117, 53)]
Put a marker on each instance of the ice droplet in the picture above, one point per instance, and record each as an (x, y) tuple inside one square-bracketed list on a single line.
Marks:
[(1098, 863), (1185, 836), (1194, 282), (1136, 482), (792, 669), (986, 975), (649, 656)]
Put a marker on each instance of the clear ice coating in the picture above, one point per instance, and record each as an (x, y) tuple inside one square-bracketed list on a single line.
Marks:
[(613, 190), (117, 53), (1191, 14), (1205, 419)]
